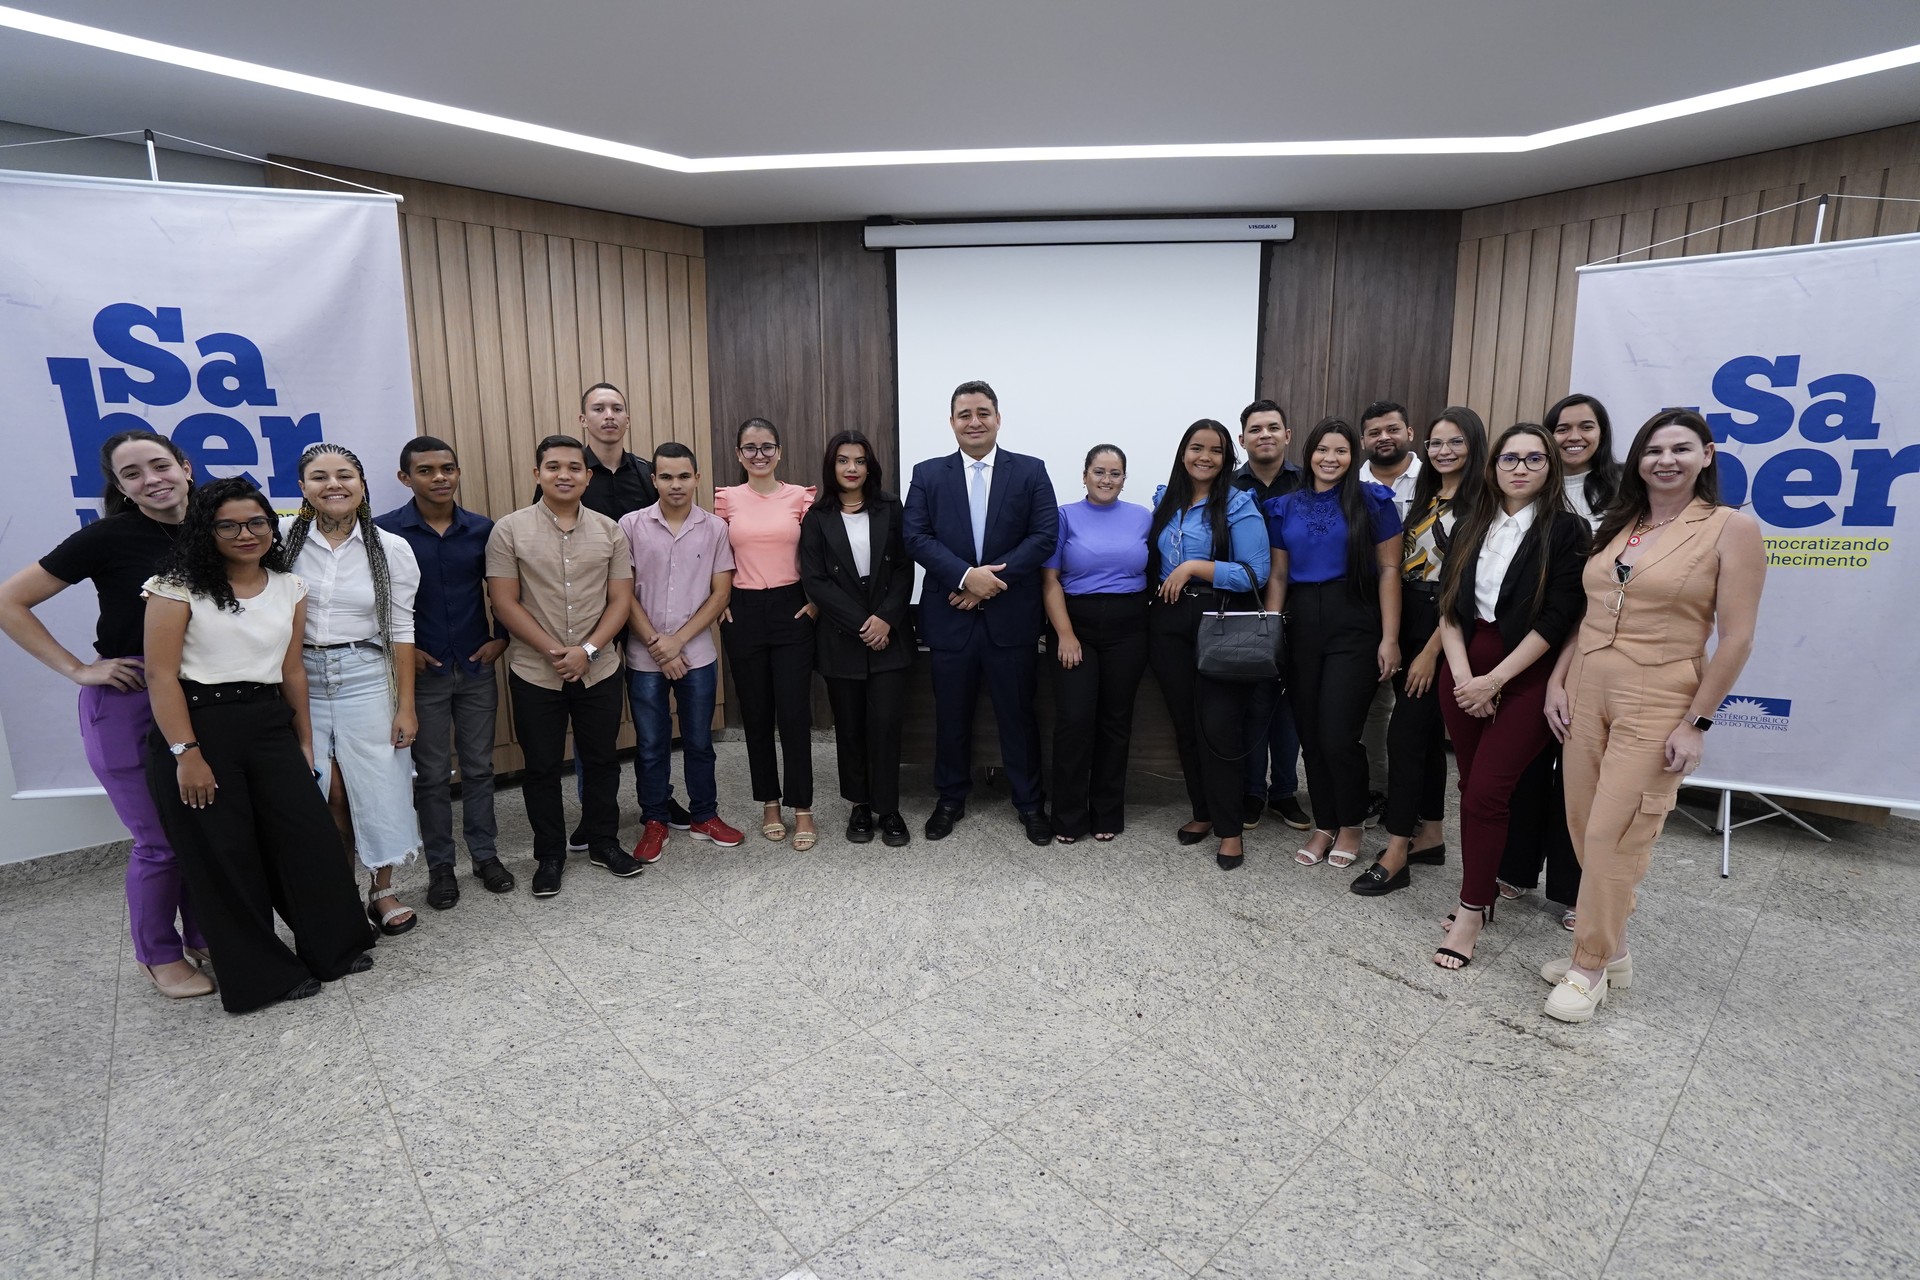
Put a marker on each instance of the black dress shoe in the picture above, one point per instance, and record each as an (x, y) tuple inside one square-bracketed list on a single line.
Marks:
[(1250, 810), (1376, 880), (494, 875), (443, 890), (860, 825), (893, 830), (1288, 807), (1434, 857), (613, 858), (546, 879), (1229, 862), (940, 821), (1185, 836), (1039, 827)]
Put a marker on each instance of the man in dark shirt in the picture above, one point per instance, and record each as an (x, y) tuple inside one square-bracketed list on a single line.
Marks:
[(1270, 732), (454, 651), (617, 481)]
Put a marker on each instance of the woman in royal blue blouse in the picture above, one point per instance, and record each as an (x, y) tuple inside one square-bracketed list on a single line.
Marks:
[(1206, 538), (1336, 574)]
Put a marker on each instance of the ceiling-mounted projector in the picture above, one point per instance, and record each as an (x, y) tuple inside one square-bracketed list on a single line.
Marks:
[(956, 235)]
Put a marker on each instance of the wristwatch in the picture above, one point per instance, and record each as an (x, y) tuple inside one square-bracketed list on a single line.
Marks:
[(181, 748), (587, 647), (1699, 722)]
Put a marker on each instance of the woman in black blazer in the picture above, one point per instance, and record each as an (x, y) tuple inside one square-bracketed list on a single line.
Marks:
[(1510, 595), (854, 567)]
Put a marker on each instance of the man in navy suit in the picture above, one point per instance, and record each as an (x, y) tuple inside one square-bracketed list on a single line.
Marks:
[(981, 522)]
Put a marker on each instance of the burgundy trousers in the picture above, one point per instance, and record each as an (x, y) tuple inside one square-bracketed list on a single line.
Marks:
[(1491, 755)]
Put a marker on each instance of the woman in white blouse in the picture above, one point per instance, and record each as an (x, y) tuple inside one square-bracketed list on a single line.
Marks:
[(230, 759), (358, 648)]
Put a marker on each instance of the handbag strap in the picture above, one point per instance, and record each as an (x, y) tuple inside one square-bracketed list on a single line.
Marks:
[(1220, 597)]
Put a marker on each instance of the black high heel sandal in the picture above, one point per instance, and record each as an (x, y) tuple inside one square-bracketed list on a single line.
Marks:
[(1486, 918)]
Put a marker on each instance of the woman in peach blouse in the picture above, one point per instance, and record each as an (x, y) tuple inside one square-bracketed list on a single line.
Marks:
[(768, 630)]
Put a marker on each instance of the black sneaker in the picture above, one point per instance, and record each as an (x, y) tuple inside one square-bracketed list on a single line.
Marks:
[(614, 859), (1250, 810), (677, 816), (493, 875), (1291, 813), (546, 879), (443, 890), (1376, 808), (577, 843)]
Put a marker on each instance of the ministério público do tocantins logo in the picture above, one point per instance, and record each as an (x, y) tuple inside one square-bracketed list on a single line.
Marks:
[(1742, 712)]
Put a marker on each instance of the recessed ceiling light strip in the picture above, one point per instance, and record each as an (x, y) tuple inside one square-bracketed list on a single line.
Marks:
[(502, 126)]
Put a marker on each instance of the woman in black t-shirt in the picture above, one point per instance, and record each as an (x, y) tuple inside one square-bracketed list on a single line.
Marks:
[(148, 480)]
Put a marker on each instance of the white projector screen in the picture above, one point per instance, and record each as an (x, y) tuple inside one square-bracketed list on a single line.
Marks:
[(1085, 344)]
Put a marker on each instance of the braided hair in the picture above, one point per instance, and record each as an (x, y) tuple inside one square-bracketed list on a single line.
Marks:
[(195, 561), (369, 538)]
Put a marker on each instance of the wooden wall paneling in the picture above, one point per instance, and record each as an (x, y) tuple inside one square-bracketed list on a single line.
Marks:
[(1486, 324), (1703, 229), (1807, 216), (1517, 260), (549, 401), (490, 375), (1536, 338), (586, 314), (659, 376), (613, 321), (1636, 233), (1391, 331), (1575, 241), (702, 426), (1669, 231), (463, 429), (639, 383), (429, 325), (856, 328), (1900, 215), (566, 335), (413, 345), (1738, 213), (680, 365), (1604, 240), (508, 461), (1778, 211), (1851, 219), (1466, 273), (1295, 322)]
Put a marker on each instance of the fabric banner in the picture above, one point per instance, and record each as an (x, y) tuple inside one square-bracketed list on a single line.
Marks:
[(243, 323), (1804, 363)]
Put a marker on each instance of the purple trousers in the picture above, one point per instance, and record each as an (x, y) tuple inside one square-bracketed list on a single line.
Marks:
[(114, 724)]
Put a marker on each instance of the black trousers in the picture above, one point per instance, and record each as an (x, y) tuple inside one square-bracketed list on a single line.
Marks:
[(1333, 672), (265, 845), (1416, 735), (1209, 716), (770, 653), (1010, 675), (1537, 832), (866, 736), (1093, 721), (540, 719)]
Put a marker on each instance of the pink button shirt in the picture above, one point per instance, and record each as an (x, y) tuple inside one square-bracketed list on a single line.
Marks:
[(673, 576), (764, 531)]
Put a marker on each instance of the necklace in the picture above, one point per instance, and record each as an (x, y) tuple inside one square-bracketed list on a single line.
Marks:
[(1641, 527)]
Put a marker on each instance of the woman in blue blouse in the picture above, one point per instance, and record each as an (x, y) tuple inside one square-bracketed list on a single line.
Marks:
[(1206, 538), (1095, 588), (1336, 573)]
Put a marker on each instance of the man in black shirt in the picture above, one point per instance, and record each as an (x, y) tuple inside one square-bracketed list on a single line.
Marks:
[(1270, 732)]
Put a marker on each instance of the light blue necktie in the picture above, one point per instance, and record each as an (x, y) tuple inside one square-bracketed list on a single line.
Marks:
[(977, 499)]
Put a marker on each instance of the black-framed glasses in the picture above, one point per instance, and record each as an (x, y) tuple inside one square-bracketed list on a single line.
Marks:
[(759, 450), (1514, 461), (229, 530)]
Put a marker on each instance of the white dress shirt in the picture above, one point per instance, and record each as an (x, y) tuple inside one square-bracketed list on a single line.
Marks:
[(1402, 488), (860, 539), (966, 486), (340, 588), (1497, 550)]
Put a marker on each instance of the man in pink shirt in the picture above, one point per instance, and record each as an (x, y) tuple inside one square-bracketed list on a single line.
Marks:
[(683, 574)]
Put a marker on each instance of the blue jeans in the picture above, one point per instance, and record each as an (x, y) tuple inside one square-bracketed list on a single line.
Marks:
[(693, 696), (1269, 717)]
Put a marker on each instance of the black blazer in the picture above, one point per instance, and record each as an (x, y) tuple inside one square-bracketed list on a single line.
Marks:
[(831, 581), (1565, 601)]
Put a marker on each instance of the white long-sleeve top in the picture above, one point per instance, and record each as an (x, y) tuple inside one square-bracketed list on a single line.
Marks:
[(340, 588)]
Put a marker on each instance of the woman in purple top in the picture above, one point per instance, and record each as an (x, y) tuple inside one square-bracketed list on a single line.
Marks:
[(1095, 589), (1336, 574)]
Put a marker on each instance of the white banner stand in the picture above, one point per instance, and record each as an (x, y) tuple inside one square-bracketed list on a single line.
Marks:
[(1723, 824)]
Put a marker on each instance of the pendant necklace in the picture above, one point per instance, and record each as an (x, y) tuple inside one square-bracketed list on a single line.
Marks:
[(1641, 526)]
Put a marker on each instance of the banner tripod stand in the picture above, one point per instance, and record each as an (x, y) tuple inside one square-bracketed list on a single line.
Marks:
[(1723, 824)]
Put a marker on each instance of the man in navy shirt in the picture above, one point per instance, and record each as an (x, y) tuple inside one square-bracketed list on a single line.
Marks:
[(455, 647)]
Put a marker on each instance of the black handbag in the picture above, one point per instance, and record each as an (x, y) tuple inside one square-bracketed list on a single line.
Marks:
[(1241, 647)]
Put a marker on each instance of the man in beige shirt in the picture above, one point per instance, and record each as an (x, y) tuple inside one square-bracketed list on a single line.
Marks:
[(560, 579)]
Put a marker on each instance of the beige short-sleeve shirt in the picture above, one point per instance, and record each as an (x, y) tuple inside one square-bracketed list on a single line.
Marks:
[(563, 583)]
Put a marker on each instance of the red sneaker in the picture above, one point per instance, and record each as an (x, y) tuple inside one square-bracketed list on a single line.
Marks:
[(653, 842), (717, 831)]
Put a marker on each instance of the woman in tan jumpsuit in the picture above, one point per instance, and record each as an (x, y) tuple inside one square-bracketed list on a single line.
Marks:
[(1634, 693)]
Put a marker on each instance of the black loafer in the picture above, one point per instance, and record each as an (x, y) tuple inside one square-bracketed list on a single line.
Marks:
[(493, 874), (1039, 827), (1434, 857), (546, 879), (940, 821), (893, 830), (443, 890), (1375, 881), (1185, 836), (860, 825)]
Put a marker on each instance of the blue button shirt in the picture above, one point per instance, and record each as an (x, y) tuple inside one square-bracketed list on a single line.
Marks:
[(450, 612), (1312, 529), (1189, 537)]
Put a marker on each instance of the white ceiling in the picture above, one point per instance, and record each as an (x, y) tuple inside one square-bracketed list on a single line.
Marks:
[(734, 77)]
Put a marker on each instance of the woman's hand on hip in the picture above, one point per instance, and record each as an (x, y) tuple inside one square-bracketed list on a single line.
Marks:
[(125, 674)]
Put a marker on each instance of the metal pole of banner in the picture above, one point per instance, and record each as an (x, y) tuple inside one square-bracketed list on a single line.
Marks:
[(153, 159), (1726, 833), (1819, 218)]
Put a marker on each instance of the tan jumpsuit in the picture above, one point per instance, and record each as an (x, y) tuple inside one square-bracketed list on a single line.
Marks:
[(1640, 652)]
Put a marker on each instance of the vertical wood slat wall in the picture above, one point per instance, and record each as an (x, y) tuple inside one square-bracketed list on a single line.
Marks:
[(1514, 285), (515, 306)]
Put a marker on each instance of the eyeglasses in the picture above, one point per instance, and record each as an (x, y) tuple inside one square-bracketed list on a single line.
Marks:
[(229, 530), (1514, 461), (1101, 473), (759, 450), (1446, 446)]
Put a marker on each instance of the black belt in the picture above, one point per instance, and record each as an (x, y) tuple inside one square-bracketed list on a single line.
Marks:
[(345, 644), (1421, 588), (225, 694)]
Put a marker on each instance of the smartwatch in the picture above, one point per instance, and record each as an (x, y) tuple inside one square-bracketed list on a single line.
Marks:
[(181, 748), (1699, 722)]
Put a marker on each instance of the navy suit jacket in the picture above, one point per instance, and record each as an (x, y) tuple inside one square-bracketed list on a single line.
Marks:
[(1023, 523)]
